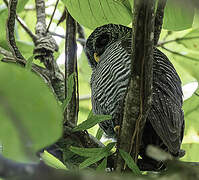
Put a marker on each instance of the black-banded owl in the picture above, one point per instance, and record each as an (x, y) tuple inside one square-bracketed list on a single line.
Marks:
[(108, 50)]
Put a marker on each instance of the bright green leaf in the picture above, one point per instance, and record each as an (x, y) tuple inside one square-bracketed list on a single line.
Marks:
[(30, 116), (92, 14), (191, 40), (178, 16), (129, 161), (191, 152), (3, 19), (25, 48), (52, 161), (191, 113), (20, 5), (91, 121)]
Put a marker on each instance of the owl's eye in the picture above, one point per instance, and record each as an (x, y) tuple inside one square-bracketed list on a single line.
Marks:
[(102, 41)]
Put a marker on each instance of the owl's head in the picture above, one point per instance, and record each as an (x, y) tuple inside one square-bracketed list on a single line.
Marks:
[(101, 38)]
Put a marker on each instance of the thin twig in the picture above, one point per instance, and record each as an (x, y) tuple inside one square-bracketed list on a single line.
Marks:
[(52, 16), (179, 54), (80, 40), (176, 40)]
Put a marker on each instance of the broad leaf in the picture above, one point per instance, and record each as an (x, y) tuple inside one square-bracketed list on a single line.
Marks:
[(130, 162), (178, 16), (191, 152), (91, 13), (191, 40), (20, 5), (30, 117), (191, 113)]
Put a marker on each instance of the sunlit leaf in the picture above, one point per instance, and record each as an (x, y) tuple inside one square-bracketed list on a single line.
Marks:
[(191, 152), (129, 161), (99, 12), (191, 40), (30, 117), (191, 113), (20, 5), (178, 16), (52, 161)]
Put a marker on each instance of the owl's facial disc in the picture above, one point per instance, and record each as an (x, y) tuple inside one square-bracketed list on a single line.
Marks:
[(100, 45)]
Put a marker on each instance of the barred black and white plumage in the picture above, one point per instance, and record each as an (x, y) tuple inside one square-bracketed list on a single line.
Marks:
[(110, 75)]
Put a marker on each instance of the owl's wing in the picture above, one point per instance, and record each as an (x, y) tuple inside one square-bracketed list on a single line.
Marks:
[(166, 115)]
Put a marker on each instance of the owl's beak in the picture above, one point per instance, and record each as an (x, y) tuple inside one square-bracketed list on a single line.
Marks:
[(96, 57)]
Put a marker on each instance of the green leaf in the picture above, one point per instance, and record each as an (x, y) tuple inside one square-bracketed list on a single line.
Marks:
[(102, 165), (191, 113), (70, 85), (130, 162), (178, 16), (3, 19), (52, 161), (20, 5), (86, 152), (29, 63), (99, 133), (191, 40), (30, 116), (191, 152), (100, 155), (92, 14), (26, 48), (91, 121)]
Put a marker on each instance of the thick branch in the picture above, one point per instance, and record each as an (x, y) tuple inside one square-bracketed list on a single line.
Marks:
[(71, 112), (45, 47), (138, 98)]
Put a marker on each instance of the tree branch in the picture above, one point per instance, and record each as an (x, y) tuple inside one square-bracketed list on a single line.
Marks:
[(159, 20), (10, 29), (45, 47), (138, 98), (71, 112), (52, 15), (177, 53)]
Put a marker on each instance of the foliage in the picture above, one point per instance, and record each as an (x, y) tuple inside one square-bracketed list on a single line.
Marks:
[(28, 108)]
